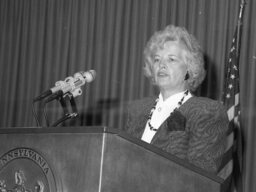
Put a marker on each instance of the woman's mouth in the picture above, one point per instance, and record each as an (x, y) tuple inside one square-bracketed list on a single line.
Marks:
[(162, 74)]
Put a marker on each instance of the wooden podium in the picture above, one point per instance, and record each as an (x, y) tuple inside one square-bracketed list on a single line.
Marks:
[(93, 159)]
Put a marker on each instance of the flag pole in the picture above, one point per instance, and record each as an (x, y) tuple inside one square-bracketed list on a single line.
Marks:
[(239, 24)]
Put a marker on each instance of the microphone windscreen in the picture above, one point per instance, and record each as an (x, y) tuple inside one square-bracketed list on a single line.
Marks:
[(89, 75)]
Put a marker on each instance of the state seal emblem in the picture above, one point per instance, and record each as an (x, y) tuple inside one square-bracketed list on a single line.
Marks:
[(25, 170)]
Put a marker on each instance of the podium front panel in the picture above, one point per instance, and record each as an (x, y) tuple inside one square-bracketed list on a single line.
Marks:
[(93, 159), (73, 160), (131, 167)]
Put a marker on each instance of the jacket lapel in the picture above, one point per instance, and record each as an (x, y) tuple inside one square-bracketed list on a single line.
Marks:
[(160, 133), (141, 112)]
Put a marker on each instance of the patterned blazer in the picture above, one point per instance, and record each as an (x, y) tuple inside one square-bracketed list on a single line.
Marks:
[(196, 131)]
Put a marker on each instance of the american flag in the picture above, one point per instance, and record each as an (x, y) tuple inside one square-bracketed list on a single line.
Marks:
[(231, 87), (231, 99)]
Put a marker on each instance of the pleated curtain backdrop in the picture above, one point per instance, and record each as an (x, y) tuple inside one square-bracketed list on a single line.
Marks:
[(43, 41)]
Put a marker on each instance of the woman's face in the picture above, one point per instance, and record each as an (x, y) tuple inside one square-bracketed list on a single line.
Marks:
[(169, 68)]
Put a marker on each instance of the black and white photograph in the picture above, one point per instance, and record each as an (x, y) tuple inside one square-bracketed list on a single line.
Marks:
[(127, 95)]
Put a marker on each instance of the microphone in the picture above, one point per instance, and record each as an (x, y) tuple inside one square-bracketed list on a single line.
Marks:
[(70, 84)]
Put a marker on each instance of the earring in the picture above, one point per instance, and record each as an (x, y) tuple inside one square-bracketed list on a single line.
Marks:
[(186, 76)]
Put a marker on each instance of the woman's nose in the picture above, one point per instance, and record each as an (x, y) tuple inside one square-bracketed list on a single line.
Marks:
[(162, 63)]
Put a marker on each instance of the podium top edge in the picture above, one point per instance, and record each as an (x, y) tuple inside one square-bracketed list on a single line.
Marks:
[(81, 129)]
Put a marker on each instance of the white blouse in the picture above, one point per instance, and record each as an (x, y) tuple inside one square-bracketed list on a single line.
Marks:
[(162, 112)]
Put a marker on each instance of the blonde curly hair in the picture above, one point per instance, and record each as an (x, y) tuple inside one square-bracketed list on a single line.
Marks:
[(193, 58)]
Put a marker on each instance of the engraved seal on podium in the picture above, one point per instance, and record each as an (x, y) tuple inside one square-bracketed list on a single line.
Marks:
[(24, 169)]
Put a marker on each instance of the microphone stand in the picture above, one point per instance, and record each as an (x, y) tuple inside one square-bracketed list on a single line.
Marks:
[(64, 118), (63, 99), (67, 114)]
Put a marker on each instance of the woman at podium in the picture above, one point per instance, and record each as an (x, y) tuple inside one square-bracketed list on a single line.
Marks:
[(190, 127)]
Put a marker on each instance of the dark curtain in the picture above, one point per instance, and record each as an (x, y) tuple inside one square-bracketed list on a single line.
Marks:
[(43, 41)]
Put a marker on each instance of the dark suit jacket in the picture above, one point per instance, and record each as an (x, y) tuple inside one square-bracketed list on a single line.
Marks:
[(195, 132)]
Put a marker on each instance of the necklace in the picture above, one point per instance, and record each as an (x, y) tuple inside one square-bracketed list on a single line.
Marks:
[(154, 107)]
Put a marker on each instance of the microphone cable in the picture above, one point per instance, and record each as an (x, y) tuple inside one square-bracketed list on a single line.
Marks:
[(54, 96), (35, 114), (45, 115)]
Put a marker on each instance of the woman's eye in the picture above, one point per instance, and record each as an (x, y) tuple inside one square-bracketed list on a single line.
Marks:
[(156, 60), (171, 59)]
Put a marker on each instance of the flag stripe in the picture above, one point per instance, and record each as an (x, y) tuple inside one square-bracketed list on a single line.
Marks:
[(230, 112)]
